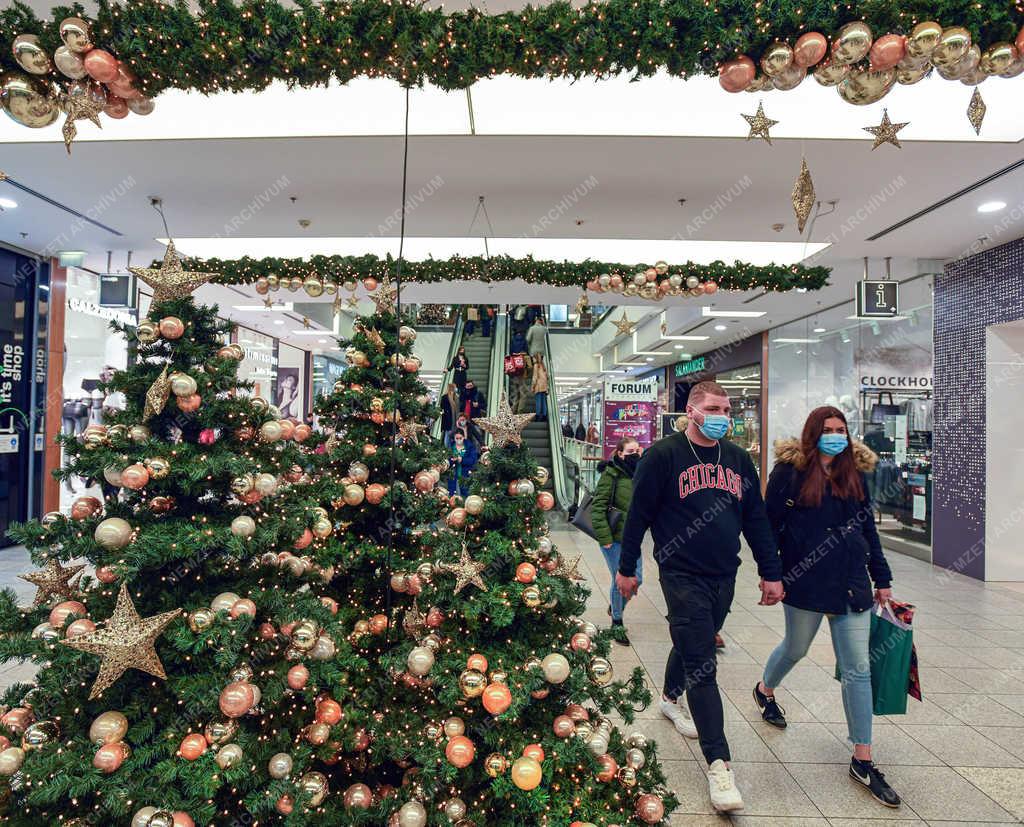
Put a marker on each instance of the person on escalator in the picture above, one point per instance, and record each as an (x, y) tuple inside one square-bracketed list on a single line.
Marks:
[(462, 461), (535, 337), (486, 318), (449, 411), (518, 344), (460, 367), (539, 386), (473, 402)]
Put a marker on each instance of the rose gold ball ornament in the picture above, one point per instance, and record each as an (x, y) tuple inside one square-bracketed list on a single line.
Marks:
[(236, 699), (649, 808), (113, 533), (563, 726), (608, 768), (183, 819), (460, 751), (110, 757), (358, 796), (62, 611), (545, 501), (82, 626), (298, 676), (171, 327), (243, 607), (192, 746)]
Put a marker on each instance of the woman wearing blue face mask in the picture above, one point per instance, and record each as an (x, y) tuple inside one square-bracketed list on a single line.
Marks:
[(821, 514)]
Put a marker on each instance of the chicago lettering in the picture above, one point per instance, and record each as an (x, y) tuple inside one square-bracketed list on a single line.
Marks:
[(706, 475)]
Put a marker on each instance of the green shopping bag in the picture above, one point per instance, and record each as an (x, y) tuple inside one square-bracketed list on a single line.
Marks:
[(891, 649)]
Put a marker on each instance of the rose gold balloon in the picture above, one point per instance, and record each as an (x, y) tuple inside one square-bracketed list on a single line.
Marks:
[(192, 746), (82, 626), (810, 48), (887, 51), (788, 79), (287, 429), (110, 757), (735, 75), (116, 107), (100, 65), (18, 719), (236, 699), (124, 84)]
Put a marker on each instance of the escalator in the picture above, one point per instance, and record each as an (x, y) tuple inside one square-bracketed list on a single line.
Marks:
[(480, 356)]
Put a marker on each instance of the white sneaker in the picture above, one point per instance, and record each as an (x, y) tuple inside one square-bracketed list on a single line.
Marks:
[(722, 785), (679, 715)]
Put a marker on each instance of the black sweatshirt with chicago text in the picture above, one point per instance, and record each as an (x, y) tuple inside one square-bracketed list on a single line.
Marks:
[(695, 506)]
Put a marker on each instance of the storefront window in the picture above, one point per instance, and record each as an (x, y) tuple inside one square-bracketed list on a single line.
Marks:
[(326, 371), (260, 363), (744, 386), (879, 373)]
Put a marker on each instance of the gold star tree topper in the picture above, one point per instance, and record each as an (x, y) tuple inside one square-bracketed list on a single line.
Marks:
[(125, 641), (759, 124), (171, 280), (467, 571), (885, 132), (505, 426), (625, 325), (386, 296), (53, 580), (78, 108)]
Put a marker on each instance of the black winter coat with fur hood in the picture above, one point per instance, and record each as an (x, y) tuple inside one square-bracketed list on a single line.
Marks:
[(828, 551)]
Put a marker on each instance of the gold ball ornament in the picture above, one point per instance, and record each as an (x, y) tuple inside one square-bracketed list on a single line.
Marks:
[(532, 597), (280, 765), (420, 660), (474, 504), (182, 384), (542, 475), (243, 526), (354, 494), (313, 286), (113, 533), (147, 332), (322, 529), (601, 671), (228, 756), (200, 620), (635, 758), (525, 488), (224, 601), (314, 785), (139, 433), (556, 668), (304, 635), (526, 773), (627, 777), (220, 732), (454, 726), (39, 735), (266, 484), (11, 760), (412, 814), (270, 431), (495, 764), (472, 683), (158, 467), (455, 809), (359, 472)]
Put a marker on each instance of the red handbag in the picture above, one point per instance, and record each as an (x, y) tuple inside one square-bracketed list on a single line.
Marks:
[(515, 364)]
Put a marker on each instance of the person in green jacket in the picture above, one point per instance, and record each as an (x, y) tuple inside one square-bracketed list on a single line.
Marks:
[(615, 490)]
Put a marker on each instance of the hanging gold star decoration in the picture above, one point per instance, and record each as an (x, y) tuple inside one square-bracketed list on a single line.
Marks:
[(157, 396), (385, 297), (78, 108), (125, 641), (624, 325), (569, 568), (171, 280), (268, 303), (336, 305), (410, 431), (375, 339), (885, 132), (467, 571), (976, 111), (803, 195), (414, 621), (331, 443), (352, 301), (306, 323), (53, 580), (759, 124), (505, 426)]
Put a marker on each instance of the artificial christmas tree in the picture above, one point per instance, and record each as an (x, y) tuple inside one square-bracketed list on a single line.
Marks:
[(485, 698), (173, 686)]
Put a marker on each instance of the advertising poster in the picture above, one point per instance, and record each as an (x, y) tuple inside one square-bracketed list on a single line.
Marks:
[(630, 410)]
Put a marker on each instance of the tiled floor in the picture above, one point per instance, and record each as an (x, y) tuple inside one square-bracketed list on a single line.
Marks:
[(956, 759)]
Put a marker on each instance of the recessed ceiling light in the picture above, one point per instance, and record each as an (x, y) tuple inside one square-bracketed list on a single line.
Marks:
[(786, 341), (992, 206), (649, 359), (819, 330), (720, 327), (679, 347), (278, 321), (708, 312), (8, 204), (322, 341)]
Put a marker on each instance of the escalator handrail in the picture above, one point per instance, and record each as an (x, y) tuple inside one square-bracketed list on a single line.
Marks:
[(499, 347), (449, 374), (558, 472)]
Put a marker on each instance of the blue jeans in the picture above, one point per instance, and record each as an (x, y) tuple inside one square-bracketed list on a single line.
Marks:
[(470, 327), (540, 400), (485, 326), (851, 635), (611, 557)]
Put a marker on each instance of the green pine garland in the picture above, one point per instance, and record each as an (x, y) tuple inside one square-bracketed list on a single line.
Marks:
[(249, 45), (738, 276)]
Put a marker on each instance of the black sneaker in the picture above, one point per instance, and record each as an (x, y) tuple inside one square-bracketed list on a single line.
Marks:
[(623, 638), (871, 777), (770, 710)]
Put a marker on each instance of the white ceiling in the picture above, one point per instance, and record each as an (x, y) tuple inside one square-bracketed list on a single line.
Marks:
[(540, 189)]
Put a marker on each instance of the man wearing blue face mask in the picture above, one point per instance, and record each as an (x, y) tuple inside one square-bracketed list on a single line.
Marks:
[(696, 493)]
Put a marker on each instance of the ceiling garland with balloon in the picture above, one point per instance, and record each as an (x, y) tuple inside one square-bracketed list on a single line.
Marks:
[(331, 275), (118, 63)]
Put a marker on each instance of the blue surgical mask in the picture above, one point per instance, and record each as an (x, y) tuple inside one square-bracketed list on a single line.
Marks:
[(715, 426), (832, 444)]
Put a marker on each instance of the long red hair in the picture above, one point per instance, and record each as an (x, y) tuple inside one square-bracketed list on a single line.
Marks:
[(844, 477)]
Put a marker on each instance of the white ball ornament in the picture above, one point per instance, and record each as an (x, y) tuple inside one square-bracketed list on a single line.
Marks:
[(266, 484), (243, 526), (224, 601), (420, 660), (555, 667), (142, 817), (412, 814), (280, 765)]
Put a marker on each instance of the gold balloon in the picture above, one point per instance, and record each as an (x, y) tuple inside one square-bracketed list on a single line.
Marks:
[(1014, 69), (974, 77), (864, 87), (952, 47), (923, 39), (790, 78), (911, 74), (27, 100), (852, 43), (998, 58), (108, 728), (830, 73), (761, 83), (776, 59), (29, 55), (75, 33)]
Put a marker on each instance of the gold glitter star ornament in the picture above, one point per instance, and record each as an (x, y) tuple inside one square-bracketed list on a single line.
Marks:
[(505, 426), (125, 641), (885, 132), (157, 396), (385, 297), (625, 325), (467, 571), (53, 580), (79, 107), (171, 280), (759, 124), (976, 111), (803, 195)]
